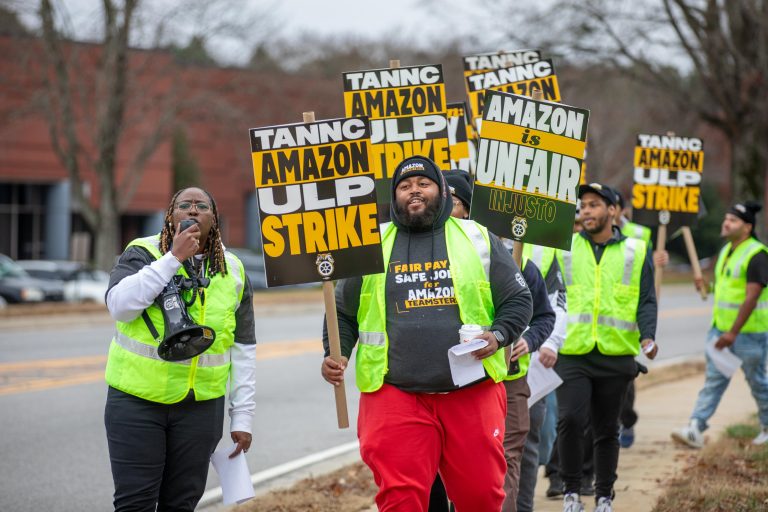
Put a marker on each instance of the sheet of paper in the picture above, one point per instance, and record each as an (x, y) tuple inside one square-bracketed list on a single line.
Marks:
[(464, 367), (235, 478), (541, 380), (724, 360)]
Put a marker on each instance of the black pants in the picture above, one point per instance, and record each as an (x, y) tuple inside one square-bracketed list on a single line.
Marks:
[(160, 453), (583, 399), (628, 415), (587, 469)]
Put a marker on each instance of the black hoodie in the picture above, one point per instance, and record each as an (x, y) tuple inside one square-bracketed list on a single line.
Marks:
[(422, 314)]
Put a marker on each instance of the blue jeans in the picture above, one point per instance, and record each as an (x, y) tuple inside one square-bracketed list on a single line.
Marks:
[(548, 429), (752, 349)]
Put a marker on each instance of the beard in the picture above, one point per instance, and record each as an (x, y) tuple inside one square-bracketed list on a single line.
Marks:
[(422, 220), (599, 224)]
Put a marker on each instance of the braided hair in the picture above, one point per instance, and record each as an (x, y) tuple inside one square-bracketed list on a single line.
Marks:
[(213, 250)]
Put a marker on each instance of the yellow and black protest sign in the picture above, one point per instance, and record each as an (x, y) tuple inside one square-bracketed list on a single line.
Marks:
[(407, 111), (457, 135), (317, 201), (528, 167), (667, 179), (518, 72)]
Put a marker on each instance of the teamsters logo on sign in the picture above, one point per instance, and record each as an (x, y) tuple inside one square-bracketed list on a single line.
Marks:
[(317, 204), (407, 110), (528, 167), (667, 178)]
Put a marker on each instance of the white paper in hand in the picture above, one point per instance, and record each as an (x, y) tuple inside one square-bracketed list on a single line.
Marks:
[(235, 478), (724, 360), (541, 380), (464, 367)]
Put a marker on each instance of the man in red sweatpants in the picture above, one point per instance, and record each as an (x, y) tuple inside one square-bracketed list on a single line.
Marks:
[(414, 420)]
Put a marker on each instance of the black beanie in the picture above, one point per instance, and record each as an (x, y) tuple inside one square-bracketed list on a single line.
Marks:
[(746, 211), (416, 166), (460, 184)]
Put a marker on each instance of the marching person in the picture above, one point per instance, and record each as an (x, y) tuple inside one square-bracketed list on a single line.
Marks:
[(519, 422), (611, 315), (739, 321), (164, 419), (440, 273)]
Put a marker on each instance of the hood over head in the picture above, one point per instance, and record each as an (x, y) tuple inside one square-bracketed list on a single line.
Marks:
[(422, 166)]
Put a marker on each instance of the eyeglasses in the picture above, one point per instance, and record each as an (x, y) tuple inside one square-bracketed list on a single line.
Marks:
[(200, 206)]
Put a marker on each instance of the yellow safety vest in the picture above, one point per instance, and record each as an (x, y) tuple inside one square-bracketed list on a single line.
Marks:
[(133, 365), (731, 288), (469, 254), (603, 299), (632, 230)]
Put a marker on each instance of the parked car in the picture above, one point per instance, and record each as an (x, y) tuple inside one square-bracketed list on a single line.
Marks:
[(17, 286), (80, 283)]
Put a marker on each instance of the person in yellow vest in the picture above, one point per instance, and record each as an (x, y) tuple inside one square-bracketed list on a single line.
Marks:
[(612, 314), (739, 321), (164, 419), (414, 420)]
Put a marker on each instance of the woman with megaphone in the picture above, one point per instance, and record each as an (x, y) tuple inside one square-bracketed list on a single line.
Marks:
[(181, 335)]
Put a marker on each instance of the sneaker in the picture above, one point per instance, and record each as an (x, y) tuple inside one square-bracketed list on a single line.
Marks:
[(555, 489), (627, 437), (587, 487), (762, 437), (572, 503), (690, 435), (604, 505)]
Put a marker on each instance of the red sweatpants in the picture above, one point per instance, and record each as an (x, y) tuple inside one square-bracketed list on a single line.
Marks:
[(406, 437)]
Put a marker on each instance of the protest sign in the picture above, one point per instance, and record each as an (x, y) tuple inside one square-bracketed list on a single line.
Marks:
[(458, 137), (519, 72), (407, 111), (528, 168), (667, 179), (317, 204)]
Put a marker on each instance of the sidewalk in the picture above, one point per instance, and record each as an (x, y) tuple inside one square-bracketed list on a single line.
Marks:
[(654, 459)]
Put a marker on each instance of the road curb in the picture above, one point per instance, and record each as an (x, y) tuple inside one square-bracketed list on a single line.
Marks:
[(288, 474)]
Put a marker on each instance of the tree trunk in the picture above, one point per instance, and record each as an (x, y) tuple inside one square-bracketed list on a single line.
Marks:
[(108, 229)]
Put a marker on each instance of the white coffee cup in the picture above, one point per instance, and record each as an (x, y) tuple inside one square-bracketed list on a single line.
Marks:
[(469, 332)]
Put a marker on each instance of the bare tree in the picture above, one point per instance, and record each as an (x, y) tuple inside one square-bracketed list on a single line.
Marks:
[(104, 113), (725, 43)]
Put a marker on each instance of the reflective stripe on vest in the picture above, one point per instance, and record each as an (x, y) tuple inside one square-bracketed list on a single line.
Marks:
[(144, 350), (588, 318), (470, 268), (731, 288)]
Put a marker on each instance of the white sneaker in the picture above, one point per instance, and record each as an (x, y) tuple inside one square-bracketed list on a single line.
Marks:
[(572, 503), (604, 505), (762, 437), (691, 435)]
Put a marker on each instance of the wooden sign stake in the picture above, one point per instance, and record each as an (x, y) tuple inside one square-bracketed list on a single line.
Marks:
[(342, 416), (694, 257)]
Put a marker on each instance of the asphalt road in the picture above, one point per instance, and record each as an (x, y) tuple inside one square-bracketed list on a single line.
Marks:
[(53, 446)]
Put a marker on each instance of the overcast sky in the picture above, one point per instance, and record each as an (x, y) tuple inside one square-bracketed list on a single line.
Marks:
[(418, 21)]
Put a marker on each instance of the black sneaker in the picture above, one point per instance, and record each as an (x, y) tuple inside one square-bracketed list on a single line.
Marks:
[(556, 487), (587, 487)]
